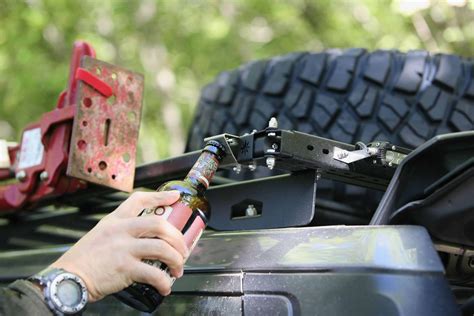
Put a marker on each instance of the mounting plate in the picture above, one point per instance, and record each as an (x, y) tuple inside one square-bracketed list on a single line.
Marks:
[(105, 130)]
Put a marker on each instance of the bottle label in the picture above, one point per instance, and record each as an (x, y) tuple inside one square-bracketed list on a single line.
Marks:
[(204, 168), (194, 232), (177, 214), (191, 237)]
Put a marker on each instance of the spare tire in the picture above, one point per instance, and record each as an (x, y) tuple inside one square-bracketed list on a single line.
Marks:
[(349, 96)]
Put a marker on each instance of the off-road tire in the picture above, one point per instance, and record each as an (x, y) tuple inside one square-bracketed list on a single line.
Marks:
[(350, 96)]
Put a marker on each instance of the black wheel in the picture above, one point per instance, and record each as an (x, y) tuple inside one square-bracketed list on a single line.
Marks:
[(350, 96)]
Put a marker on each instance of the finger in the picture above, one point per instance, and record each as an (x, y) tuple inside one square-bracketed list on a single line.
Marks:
[(145, 273), (154, 226), (157, 249), (132, 206)]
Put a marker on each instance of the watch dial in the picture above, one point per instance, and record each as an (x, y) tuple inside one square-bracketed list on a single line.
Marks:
[(69, 293)]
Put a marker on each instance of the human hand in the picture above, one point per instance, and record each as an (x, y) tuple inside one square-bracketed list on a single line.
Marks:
[(108, 258)]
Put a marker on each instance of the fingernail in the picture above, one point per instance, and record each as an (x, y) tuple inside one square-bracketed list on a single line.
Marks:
[(173, 193), (180, 273)]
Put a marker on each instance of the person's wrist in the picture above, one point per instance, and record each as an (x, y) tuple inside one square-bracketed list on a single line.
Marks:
[(64, 292), (91, 292), (38, 286)]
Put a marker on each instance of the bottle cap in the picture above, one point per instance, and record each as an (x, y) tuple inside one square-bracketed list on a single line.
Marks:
[(215, 147)]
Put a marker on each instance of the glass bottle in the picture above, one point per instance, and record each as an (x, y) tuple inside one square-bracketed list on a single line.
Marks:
[(189, 214)]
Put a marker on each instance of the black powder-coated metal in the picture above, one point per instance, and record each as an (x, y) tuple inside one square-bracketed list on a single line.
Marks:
[(295, 151), (280, 201)]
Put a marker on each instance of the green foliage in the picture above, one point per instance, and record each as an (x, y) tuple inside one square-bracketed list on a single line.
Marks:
[(181, 45)]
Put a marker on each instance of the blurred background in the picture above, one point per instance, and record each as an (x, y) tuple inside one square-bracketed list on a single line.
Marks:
[(181, 45)]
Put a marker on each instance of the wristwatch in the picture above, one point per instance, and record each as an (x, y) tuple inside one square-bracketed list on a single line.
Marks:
[(65, 293)]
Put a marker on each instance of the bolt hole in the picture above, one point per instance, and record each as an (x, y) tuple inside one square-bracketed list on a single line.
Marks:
[(81, 144), (131, 116), (114, 176), (111, 100), (107, 132), (102, 165), (89, 169), (325, 151), (84, 123), (87, 102), (131, 97), (310, 147), (126, 157)]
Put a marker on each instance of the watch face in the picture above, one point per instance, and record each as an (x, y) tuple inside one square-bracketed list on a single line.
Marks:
[(68, 293)]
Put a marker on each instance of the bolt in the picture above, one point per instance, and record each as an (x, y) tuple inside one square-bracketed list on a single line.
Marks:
[(44, 176), (318, 174), (21, 175), (270, 162), (390, 164), (237, 169), (377, 144), (470, 263), (394, 148), (275, 146), (374, 161), (253, 166), (251, 210), (273, 123)]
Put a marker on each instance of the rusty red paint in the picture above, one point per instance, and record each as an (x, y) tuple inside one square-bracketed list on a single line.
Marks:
[(111, 129), (55, 127)]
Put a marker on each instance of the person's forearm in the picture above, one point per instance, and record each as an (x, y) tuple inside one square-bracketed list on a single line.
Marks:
[(22, 298)]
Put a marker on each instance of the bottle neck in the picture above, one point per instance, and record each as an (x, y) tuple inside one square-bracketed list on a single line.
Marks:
[(201, 173)]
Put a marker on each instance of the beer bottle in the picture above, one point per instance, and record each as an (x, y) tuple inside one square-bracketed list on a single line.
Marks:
[(189, 214)]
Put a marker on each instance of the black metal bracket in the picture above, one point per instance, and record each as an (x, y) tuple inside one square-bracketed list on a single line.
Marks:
[(284, 150), (280, 201)]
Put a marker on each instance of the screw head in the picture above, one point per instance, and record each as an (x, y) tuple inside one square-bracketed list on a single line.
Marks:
[(252, 166), (270, 162), (237, 169), (470, 263), (273, 123), (251, 210), (275, 146), (21, 175), (44, 176)]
